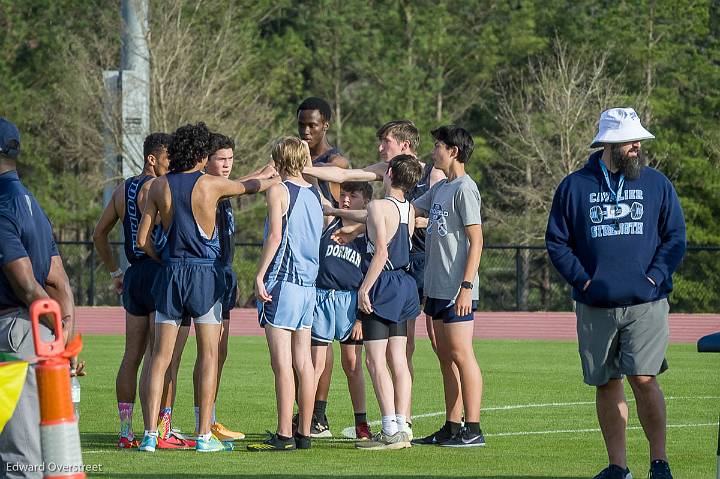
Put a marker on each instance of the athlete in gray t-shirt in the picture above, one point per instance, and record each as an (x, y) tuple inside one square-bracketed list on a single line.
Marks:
[(451, 206), (452, 258)]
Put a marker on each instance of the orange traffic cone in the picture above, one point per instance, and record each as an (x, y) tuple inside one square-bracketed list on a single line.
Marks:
[(59, 434)]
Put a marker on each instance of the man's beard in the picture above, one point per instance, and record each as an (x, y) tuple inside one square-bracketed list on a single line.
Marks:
[(630, 167)]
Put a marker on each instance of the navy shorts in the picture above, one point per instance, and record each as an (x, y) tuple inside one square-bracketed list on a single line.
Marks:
[(137, 294), (189, 287), (230, 297), (416, 269), (394, 296), (444, 309)]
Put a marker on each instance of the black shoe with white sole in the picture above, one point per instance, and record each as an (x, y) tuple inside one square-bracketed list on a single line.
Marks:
[(465, 438)]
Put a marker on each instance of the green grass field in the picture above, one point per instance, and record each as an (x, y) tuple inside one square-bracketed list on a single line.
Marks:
[(539, 418)]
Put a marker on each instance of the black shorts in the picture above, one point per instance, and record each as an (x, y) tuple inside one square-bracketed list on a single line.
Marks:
[(374, 327)]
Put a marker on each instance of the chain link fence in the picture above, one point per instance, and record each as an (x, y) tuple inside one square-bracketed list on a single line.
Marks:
[(512, 278)]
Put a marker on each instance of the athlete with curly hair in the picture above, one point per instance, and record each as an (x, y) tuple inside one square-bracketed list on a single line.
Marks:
[(189, 282)]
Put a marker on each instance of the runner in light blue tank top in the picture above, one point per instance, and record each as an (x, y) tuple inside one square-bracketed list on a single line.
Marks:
[(294, 267)]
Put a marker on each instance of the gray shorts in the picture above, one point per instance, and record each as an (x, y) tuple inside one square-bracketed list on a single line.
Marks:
[(615, 342), (214, 316)]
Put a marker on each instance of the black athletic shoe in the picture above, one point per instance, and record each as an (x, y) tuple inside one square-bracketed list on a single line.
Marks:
[(302, 442), (659, 469), (434, 439), (465, 438), (614, 472), (273, 443), (320, 427)]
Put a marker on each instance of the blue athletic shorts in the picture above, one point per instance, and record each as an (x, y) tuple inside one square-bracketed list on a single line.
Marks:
[(137, 294), (190, 287), (230, 297), (335, 313), (292, 306), (444, 309)]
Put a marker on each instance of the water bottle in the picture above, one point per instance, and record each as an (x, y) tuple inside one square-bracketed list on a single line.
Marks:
[(75, 393)]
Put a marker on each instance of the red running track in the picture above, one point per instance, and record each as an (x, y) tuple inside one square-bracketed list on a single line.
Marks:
[(684, 328)]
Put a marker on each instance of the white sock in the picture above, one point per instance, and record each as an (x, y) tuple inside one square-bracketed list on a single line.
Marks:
[(213, 419), (205, 437), (151, 433), (389, 425), (197, 418), (401, 423)]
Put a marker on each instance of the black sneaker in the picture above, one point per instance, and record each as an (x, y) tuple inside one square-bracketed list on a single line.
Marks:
[(659, 469), (273, 443), (614, 471), (320, 427), (302, 442), (439, 436), (465, 438)]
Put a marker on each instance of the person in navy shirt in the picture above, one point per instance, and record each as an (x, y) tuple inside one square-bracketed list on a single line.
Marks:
[(616, 233), (30, 269)]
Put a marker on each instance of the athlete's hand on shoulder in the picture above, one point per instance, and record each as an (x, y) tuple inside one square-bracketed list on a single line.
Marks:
[(328, 210), (364, 303), (118, 283), (356, 333), (268, 172), (463, 303), (260, 293), (347, 234)]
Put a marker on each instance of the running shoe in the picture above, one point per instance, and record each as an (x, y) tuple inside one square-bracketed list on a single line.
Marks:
[(148, 444), (382, 441), (465, 438), (272, 444), (225, 434), (174, 442), (362, 432), (320, 428), (302, 442), (434, 439), (659, 469), (209, 445), (614, 472), (127, 443)]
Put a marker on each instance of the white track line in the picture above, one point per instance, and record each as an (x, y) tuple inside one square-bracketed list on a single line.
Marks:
[(349, 432), (575, 431)]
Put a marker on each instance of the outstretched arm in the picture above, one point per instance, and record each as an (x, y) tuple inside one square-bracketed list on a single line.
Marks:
[(340, 175)]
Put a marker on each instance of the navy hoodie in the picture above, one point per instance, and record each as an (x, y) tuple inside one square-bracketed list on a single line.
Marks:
[(618, 247)]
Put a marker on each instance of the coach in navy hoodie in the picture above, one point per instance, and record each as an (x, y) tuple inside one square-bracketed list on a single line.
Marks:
[(616, 233)]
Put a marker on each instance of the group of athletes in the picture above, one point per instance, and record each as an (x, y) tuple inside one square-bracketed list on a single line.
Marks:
[(336, 264)]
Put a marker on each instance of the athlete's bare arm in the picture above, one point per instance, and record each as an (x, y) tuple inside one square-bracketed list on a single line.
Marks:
[(277, 204), (340, 175), (380, 228), (463, 303), (114, 210), (157, 203)]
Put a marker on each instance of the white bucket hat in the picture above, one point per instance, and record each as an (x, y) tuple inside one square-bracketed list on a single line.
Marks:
[(619, 125)]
